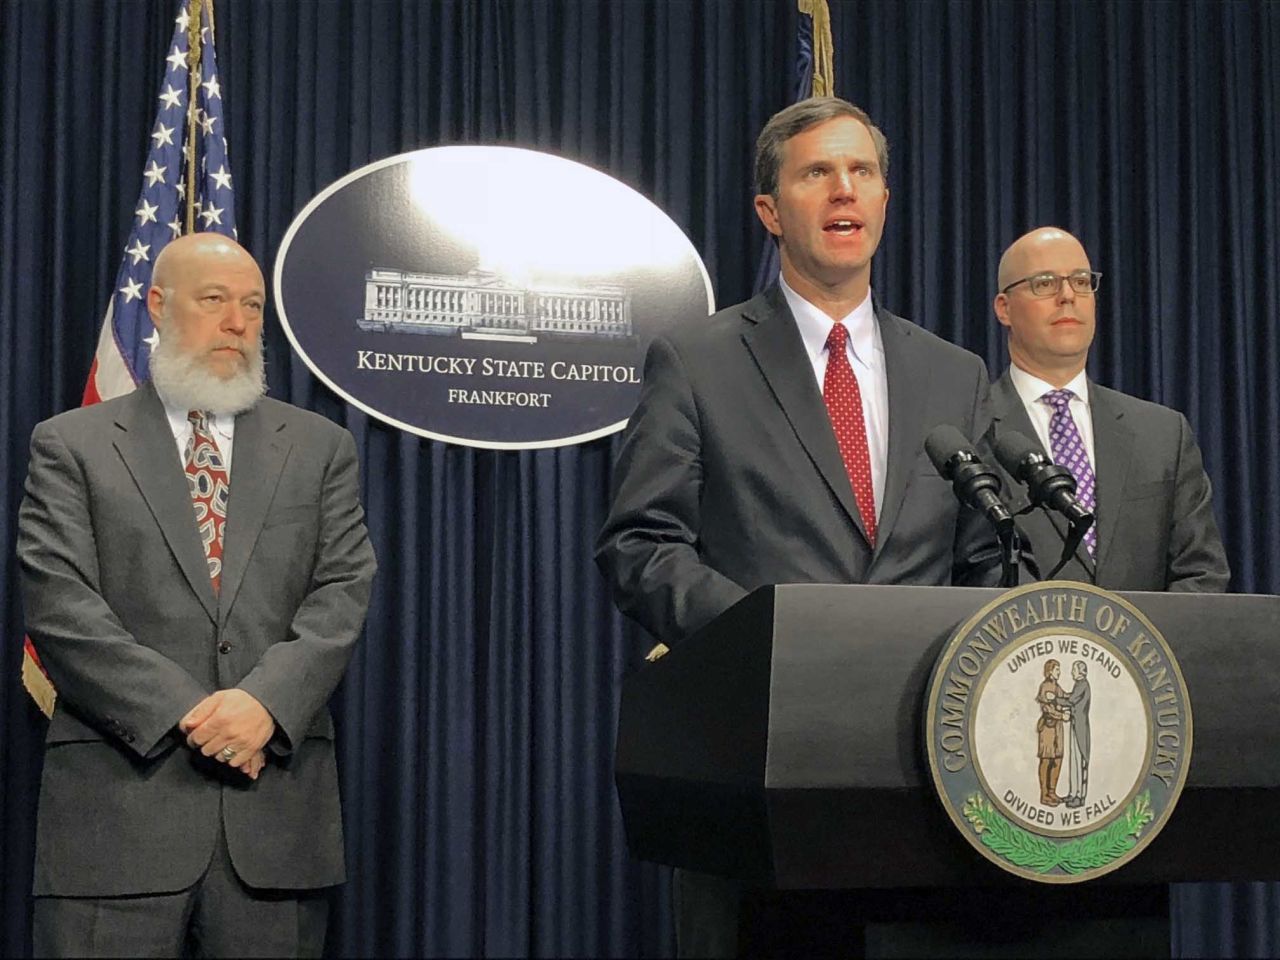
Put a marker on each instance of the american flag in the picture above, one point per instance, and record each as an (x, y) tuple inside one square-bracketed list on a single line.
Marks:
[(122, 360)]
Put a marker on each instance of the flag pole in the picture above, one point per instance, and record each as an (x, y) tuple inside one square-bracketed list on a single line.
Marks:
[(193, 74)]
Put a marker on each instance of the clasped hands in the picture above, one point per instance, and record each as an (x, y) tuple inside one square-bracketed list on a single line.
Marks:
[(230, 720)]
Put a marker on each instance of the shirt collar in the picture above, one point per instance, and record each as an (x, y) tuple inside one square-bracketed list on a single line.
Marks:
[(815, 326), (222, 425), (1031, 388)]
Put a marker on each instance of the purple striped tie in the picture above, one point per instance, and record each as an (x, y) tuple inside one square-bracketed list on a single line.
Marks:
[(1067, 449)]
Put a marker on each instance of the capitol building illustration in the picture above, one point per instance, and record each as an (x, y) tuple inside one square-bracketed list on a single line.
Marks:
[(483, 305)]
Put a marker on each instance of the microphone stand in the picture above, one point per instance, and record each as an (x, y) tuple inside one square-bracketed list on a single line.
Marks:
[(1071, 542), (977, 487), (1010, 549)]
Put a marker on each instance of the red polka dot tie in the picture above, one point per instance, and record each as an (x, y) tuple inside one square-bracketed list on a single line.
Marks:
[(844, 405), (210, 488)]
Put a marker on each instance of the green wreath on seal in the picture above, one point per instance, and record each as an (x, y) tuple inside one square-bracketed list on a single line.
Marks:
[(1040, 854)]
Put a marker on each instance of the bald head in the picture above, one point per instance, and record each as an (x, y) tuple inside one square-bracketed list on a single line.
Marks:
[(1049, 332), (188, 256), (1025, 254)]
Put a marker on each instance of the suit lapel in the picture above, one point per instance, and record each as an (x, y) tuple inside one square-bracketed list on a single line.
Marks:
[(257, 462), (145, 443), (906, 417), (1008, 413), (1113, 450), (775, 344)]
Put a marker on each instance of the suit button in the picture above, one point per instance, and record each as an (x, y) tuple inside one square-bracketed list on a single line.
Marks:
[(224, 646)]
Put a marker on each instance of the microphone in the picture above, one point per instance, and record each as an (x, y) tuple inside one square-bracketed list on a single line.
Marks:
[(1048, 484), (975, 484)]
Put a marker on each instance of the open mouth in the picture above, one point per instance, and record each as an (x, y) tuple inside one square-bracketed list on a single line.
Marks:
[(843, 226)]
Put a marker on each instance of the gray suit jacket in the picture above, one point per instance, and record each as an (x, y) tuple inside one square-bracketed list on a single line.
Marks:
[(730, 478), (120, 607), (1156, 529)]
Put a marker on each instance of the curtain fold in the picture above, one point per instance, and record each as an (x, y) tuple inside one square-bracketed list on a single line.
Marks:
[(476, 722)]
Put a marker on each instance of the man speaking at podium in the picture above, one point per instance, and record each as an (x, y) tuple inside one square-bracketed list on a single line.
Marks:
[(782, 439), (195, 572), (1136, 464)]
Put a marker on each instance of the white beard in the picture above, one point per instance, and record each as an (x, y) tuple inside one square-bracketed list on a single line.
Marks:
[(184, 382)]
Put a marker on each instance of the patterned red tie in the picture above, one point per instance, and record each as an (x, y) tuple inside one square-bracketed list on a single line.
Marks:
[(210, 488), (844, 405)]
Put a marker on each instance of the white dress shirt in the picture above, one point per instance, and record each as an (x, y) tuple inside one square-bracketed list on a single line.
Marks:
[(223, 429), (866, 356), (1031, 389)]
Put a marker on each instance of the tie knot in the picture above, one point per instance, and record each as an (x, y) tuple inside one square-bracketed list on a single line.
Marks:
[(1058, 399), (837, 338), (199, 419)]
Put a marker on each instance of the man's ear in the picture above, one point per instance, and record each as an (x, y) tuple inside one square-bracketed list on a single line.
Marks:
[(1001, 306), (155, 306), (767, 211)]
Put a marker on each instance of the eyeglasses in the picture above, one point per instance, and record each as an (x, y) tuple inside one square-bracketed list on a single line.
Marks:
[(1083, 282)]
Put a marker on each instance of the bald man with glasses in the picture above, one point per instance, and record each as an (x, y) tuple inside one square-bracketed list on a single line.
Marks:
[(1136, 463)]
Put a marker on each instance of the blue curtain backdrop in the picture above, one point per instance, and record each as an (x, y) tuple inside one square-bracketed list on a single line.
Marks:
[(476, 722)]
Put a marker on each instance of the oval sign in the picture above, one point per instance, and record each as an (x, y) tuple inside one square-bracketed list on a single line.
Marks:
[(487, 296), (1059, 731)]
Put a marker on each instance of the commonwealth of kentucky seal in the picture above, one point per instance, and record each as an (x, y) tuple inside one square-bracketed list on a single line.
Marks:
[(1059, 731)]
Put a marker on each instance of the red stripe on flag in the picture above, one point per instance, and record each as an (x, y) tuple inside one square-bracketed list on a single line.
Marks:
[(91, 386)]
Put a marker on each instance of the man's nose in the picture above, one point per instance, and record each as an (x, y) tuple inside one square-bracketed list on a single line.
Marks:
[(235, 318), (843, 186), (1066, 292)]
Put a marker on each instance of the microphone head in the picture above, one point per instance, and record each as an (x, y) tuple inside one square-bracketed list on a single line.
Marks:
[(1013, 449), (943, 443)]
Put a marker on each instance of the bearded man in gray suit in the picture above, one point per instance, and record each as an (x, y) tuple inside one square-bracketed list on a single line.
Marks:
[(195, 620), (782, 439), (1136, 463)]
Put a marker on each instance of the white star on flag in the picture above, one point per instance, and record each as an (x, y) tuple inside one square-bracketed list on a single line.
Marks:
[(154, 174), (183, 20), (132, 290), (177, 60), (147, 212), (152, 341), (163, 135), (211, 215), (206, 123), (171, 97), (176, 226), (222, 177), (139, 251), (212, 87)]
